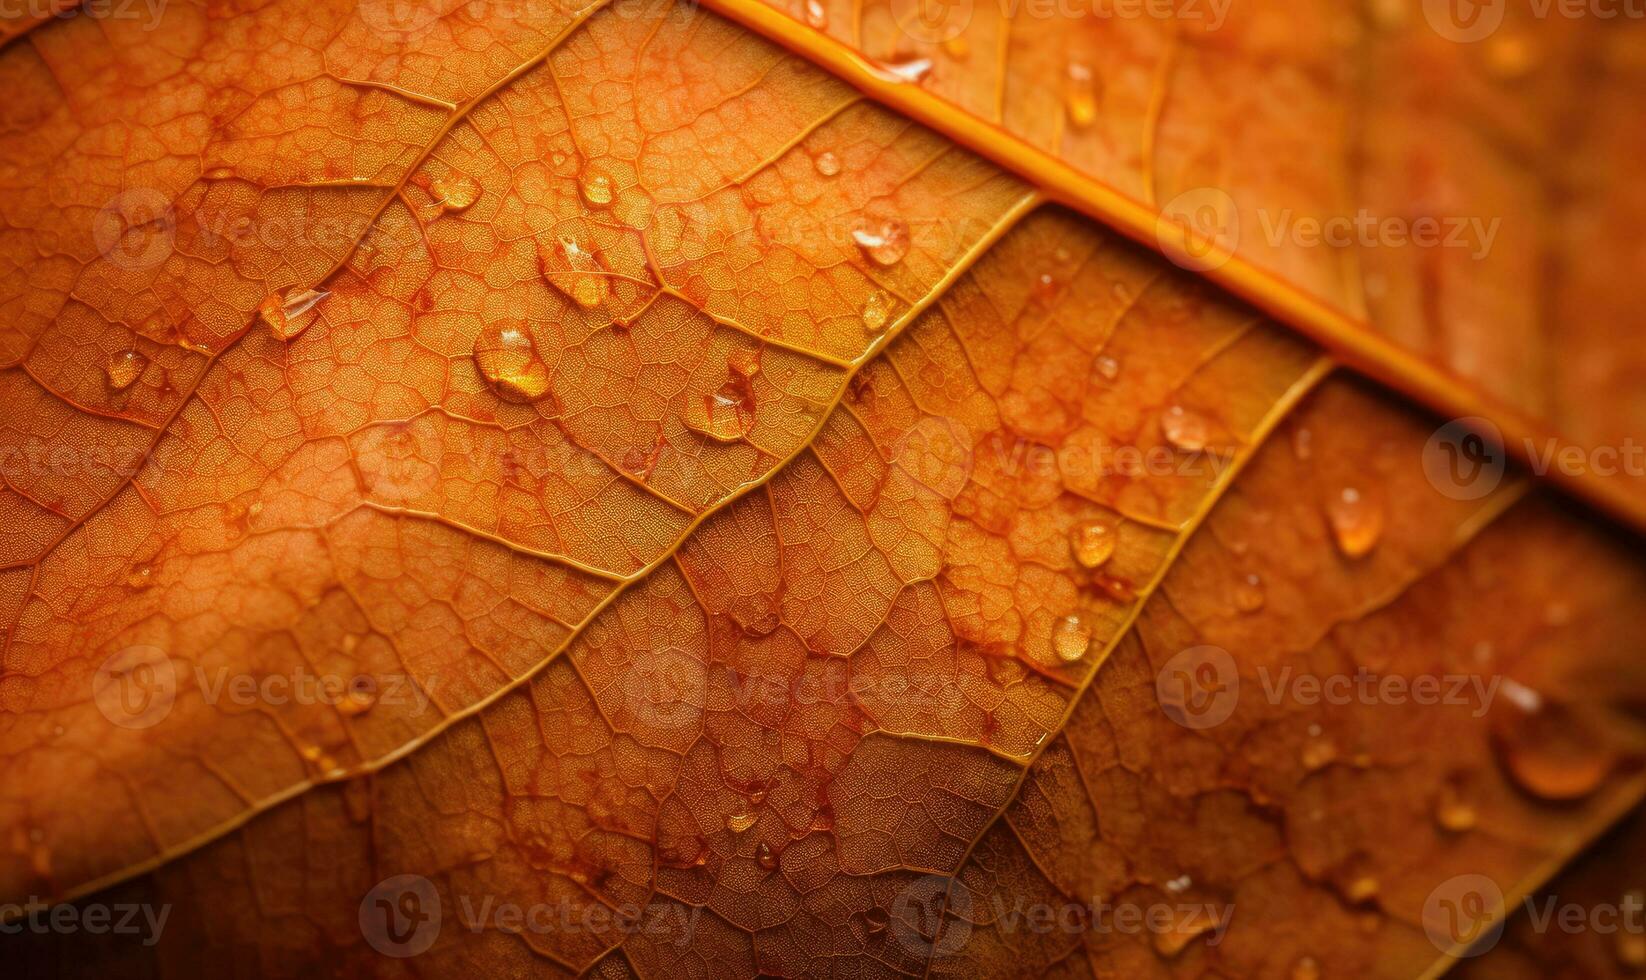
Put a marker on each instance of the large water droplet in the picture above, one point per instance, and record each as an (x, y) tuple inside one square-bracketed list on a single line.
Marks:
[(876, 919), (739, 822), (290, 313), (1071, 638), (1357, 522), (124, 368), (877, 309), (908, 70), (817, 15), (1185, 429), (597, 189), (456, 191), (1080, 95), (574, 270), (727, 412), (827, 163), (507, 359), (885, 244), (765, 856), (1092, 543), (1547, 749)]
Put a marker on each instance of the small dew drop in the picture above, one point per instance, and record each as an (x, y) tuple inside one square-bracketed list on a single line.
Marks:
[(1306, 968), (456, 192), (573, 269), (597, 189), (1071, 638), (876, 919), (1318, 753), (1356, 521), (1249, 596), (1547, 749), (506, 358), (765, 856), (1179, 885), (1303, 444), (288, 314), (817, 15), (885, 245), (1080, 95), (739, 822), (1185, 429), (1108, 367), (827, 163), (877, 309), (957, 47), (727, 413), (140, 575), (1093, 543), (1453, 810), (911, 70), (1511, 55), (125, 367)]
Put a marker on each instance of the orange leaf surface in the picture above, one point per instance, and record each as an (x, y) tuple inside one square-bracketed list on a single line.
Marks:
[(562, 490)]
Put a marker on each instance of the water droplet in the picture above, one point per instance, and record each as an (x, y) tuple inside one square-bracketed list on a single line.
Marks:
[(827, 163), (574, 270), (1318, 753), (1547, 749), (361, 695), (1249, 596), (1108, 367), (885, 245), (908, 70), (1046, 289), (1071, 638), (125, 367), (288, 314), (1179, 885), (1185, 429), (456, 191), (877, 309), (140, 575), (1306, 968), (817, 15), (876, 919), (1092, 543), (1080, 95), (1631, 943), (597, 189), (1183, 931), (1356, 521), (1303, 444), (765, 856), (1511, 55), (727, 413), (1453, 811), (739, 822), (957, 47), (507, 359)]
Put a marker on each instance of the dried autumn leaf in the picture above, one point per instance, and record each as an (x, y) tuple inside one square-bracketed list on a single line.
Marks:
[(584, 490)]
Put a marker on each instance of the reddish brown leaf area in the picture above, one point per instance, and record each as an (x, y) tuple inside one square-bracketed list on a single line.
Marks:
[(558, 491), (1252, 119)]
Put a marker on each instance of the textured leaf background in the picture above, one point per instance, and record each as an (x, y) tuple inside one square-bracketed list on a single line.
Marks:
[(743, 489)]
